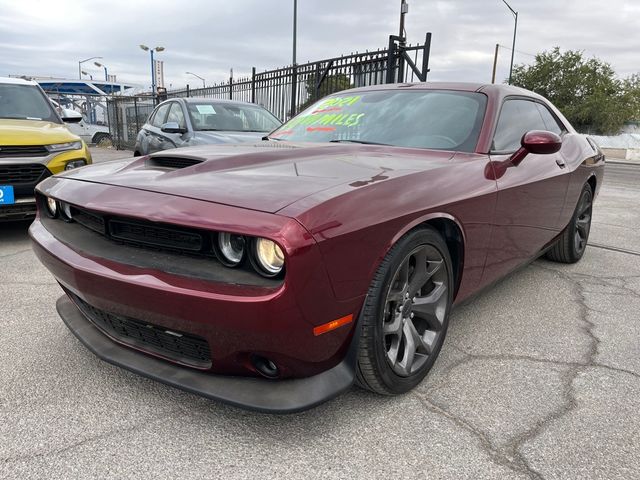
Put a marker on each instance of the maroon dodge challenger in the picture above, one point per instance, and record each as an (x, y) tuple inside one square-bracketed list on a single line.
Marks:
[(273, 275)]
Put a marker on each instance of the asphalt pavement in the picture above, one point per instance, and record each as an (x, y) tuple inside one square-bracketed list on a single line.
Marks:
[(539, 378)]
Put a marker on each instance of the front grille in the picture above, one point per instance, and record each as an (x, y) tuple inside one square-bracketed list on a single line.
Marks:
[(88, 220), (180, 347), (140, 233), (16, 174), (172, 162), (11, 151), (147, 235)]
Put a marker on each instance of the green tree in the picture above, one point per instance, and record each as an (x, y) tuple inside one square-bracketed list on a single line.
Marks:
[(587, 91), (331, 84)]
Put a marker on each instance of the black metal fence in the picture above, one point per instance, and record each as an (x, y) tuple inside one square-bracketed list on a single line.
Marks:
[(285, 91)]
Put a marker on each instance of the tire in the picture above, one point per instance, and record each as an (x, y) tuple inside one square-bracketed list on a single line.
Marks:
[(572, 243), (389, 326), (100, 137)]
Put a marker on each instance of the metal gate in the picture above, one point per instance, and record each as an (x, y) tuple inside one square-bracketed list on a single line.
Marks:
[(285, 91)]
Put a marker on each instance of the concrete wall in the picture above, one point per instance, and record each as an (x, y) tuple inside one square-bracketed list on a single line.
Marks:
[(631, 154)]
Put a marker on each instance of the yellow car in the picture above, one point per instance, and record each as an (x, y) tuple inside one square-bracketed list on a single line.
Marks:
[(34, 144)]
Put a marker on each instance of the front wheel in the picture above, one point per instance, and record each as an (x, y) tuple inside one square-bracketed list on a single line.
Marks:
[(570, 246), (406, 314)]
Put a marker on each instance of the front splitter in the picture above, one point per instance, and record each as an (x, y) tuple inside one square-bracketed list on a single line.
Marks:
[(270, 396)]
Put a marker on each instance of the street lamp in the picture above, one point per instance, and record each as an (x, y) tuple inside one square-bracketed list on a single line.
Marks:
[(197, 76), (106, 74), (87, 74), (153, 70), (515, 29), (295, 30), (80, 67)]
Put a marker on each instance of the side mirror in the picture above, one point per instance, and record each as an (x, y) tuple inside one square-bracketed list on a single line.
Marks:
[(70, 116), (539, 142), (172, 127)]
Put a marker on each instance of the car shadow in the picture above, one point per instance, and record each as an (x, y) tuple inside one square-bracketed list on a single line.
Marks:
[(14, 231)]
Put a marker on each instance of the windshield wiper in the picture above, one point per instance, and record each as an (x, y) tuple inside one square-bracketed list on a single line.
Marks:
[(267, 138), (364, 142), (208, 130)]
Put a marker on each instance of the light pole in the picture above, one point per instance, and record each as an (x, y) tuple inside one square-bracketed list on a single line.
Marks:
[(106, 74), (87, 74), (515, 29), (295, 29), (153, 70), (404, 9), (80, 65), (197, 76)]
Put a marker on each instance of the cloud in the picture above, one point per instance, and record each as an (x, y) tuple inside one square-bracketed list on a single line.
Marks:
[(210, 37)]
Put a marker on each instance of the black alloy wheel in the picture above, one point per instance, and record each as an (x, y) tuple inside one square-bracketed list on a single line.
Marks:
[(405, 317), (572, 243), (582, 221)]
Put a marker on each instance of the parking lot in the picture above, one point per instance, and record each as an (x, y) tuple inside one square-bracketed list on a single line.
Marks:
[(539, 378)]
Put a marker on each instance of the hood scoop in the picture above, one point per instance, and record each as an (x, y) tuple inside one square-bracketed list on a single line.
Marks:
[(172, 162)]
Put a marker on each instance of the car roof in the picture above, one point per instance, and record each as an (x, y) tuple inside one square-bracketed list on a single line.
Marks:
[(16, 81), (459, 86)]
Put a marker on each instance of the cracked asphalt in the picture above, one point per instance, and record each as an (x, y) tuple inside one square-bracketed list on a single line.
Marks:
[(539, 378)]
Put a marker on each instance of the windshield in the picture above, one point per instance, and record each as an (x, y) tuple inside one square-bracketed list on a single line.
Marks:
[(231, 117), (25, 102), (436, 119)]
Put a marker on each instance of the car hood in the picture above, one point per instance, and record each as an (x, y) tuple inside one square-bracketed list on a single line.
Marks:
[(33, 132), (266, 176), (227, 137)]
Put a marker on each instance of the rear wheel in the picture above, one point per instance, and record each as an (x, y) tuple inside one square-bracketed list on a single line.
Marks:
[(406, 314), (570, 246)]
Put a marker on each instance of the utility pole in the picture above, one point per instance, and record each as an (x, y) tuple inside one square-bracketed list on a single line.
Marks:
[(495, 64), (515, 29)]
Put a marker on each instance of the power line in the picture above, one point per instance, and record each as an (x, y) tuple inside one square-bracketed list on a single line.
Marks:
[(519, 51)]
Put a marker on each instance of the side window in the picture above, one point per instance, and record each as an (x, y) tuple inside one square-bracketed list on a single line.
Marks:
[(517, 117), (159, 117), (549, 120), (176, 115)]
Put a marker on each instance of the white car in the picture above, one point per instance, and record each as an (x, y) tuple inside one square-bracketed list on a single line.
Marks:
[(89, 132)]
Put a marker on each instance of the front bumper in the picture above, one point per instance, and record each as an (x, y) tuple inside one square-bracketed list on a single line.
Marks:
[(238, 321), (283, 396), (13, 171)]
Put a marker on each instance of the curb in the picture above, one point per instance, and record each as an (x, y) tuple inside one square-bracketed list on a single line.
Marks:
[(622, 161)]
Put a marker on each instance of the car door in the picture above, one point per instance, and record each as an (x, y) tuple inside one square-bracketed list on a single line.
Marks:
[(154, 135), (174, 140), (531, 195)]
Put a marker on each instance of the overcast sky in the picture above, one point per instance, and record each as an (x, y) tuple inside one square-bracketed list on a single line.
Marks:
[(208, 37)]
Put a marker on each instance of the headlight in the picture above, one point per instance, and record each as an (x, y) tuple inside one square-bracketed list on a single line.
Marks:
[(230, 249), (52, 207), (65, 211), (268, 257), (63, 147), (74, 164)]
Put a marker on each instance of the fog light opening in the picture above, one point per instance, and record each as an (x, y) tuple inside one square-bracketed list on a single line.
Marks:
[(264, 366)]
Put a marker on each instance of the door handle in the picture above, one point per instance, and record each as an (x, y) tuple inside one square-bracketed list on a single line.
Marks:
[(560, 163)]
